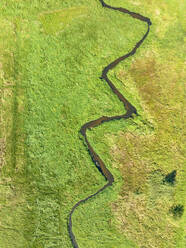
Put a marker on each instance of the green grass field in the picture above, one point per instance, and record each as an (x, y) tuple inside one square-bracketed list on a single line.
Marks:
[(51, 57)]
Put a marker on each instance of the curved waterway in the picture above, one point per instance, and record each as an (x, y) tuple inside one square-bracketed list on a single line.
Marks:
[(130, 109)]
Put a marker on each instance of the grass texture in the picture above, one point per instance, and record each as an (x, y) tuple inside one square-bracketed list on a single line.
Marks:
[(51, 56)]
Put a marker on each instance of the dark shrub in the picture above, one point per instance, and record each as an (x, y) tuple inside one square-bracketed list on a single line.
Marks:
[(177, 210), (170, 178)]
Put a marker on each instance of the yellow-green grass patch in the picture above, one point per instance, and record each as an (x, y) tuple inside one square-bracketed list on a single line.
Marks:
[(55, 21)]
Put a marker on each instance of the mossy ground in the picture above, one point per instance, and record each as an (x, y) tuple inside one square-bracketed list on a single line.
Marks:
[(52, 54)]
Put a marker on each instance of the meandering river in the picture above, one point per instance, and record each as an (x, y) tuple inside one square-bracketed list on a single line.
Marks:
[(130, 110)]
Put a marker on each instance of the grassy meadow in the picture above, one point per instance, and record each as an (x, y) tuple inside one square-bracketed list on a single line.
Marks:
[(51, 57)]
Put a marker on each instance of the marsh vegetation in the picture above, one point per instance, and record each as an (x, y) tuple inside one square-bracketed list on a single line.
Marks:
[(50, 87)]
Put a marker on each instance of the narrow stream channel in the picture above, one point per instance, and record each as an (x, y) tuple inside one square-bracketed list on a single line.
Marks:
[(130, 109)]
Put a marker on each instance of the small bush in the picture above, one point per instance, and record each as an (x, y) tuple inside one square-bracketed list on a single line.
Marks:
[(170, 178), (177, 210)]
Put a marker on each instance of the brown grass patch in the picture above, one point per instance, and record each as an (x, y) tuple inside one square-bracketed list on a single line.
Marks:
[(2, 152), (134, 169), (143, 207), (147, 226), (5, 123)]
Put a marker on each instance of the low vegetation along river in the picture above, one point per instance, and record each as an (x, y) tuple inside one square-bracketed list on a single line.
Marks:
[(130, 110)]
